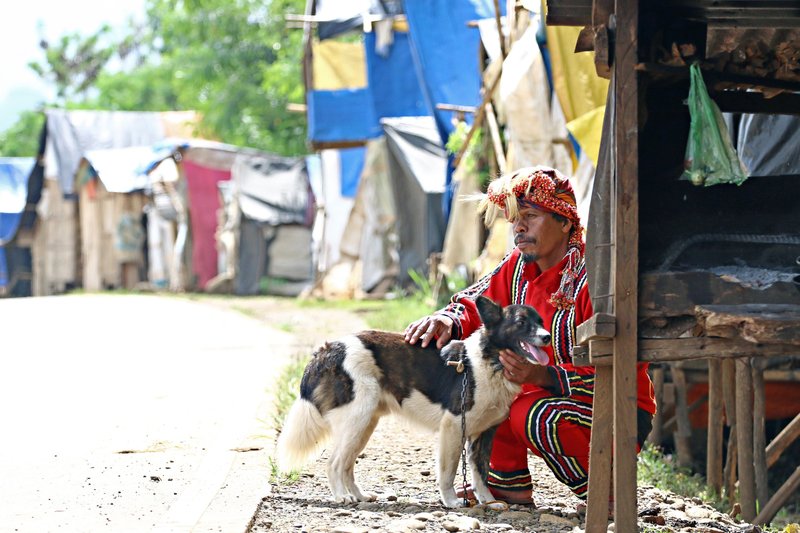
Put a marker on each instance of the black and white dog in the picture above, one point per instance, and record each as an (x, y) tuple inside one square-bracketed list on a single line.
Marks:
[(349, 384)]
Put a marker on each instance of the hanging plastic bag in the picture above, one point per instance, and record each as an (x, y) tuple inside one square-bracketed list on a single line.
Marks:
[(710, 156)]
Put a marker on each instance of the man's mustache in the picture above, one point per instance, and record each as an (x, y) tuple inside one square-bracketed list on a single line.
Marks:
[(519, 239)]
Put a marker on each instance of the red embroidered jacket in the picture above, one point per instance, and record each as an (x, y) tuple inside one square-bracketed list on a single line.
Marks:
[(515, 281)]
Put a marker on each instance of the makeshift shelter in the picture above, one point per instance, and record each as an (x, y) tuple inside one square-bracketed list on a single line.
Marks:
[(396, 221), (733, 300), (265, 226), (14, 173), (67, 137)]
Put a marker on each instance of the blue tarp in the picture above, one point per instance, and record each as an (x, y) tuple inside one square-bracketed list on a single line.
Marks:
[(352, 161), (342, 115), (14, 174), (354, 114), (446, 53)]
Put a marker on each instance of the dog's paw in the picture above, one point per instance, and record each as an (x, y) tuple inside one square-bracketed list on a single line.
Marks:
[(368, 497), (453, 503), (345, 499)]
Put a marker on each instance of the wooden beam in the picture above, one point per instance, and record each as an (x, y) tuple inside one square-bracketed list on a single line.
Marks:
[(600, 453), (789, 488), (755, 102), (714, 424), (683, 435), (744, 437), (625, 201), (658, 350), (787, 436), (759, 438)]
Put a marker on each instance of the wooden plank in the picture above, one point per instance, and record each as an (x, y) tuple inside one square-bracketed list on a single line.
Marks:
[(715, 421), (661, 350), (682, 436), (598, 326), (789, 488), (787, 436), (759, 438), (600, 453), (757, 323), (625, 201), (744, 437)]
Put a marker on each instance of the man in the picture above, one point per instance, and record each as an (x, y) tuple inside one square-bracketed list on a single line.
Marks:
[(552, 415)]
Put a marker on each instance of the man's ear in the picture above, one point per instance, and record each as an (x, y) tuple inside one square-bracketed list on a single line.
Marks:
[(567, 227), (490, 312)]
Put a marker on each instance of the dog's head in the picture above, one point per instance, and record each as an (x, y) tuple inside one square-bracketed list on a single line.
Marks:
[(515, 327)]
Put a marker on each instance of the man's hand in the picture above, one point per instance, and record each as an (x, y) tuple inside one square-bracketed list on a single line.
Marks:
[(519, 370), (426, 328)]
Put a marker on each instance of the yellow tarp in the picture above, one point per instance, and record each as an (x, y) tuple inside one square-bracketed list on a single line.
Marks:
[(579, 88), (338, 65), (588, 131)]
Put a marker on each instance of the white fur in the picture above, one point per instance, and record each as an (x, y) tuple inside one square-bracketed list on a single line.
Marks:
[(352, 424)]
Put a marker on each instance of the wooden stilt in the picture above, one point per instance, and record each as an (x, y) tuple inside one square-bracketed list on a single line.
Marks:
[(683, 434), (715, 421), (600, 452), (744, 434)]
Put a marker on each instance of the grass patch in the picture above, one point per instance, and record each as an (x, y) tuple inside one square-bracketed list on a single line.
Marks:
[(387, 315), (661, 471)]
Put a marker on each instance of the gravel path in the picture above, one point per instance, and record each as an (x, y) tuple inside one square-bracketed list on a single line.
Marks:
[(398, 464)]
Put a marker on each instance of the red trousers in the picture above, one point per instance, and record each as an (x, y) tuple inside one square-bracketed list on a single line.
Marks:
[(554, 428)]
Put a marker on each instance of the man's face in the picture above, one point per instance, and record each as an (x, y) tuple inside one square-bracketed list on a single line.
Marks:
[(538, 235)]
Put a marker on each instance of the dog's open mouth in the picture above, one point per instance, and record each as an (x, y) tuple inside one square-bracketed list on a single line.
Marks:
[(534, 353)]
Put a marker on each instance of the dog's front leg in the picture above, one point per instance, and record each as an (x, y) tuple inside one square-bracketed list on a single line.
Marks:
[(479, 451), (450, 447)]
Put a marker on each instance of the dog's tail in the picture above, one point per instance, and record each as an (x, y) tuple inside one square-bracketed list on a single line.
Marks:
[(303, 434)]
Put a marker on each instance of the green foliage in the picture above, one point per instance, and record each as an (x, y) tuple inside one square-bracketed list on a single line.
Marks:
[(661, 471), (233, 61), (74, 62), (287, 387), (22, 138), (473, 158)]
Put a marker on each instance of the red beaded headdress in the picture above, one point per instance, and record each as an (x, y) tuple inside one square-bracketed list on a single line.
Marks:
[(548, 189)]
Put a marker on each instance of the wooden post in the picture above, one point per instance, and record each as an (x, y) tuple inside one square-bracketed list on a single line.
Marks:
[(625, 194), (683, 433), (714, 424), (729, 397), (759, 436), (600, 453), (744, 436), (656, 435)]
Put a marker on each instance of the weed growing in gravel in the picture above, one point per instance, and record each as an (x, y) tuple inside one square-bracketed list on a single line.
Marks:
[(661, 471)]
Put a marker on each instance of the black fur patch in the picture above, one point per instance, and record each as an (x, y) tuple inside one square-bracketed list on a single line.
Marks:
[(505, 327), (408, 367), (325, 382), (481, 450)]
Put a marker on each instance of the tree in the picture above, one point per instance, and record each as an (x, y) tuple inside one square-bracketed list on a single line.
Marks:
[(234, 61), (22, 138)]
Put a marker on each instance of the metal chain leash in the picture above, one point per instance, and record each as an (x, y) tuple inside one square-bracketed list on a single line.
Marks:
[(460, 369), (464, 438)]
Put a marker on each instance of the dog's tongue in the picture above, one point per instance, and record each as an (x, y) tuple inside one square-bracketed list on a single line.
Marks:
[(536, 352)]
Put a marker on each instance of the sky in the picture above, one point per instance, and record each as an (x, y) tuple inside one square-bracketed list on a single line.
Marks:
[(20, 31)]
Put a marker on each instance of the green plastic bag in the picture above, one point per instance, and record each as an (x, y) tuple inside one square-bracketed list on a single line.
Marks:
[(710, 156)]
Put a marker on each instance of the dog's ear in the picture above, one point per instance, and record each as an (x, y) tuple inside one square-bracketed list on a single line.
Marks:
[(490, 312)]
